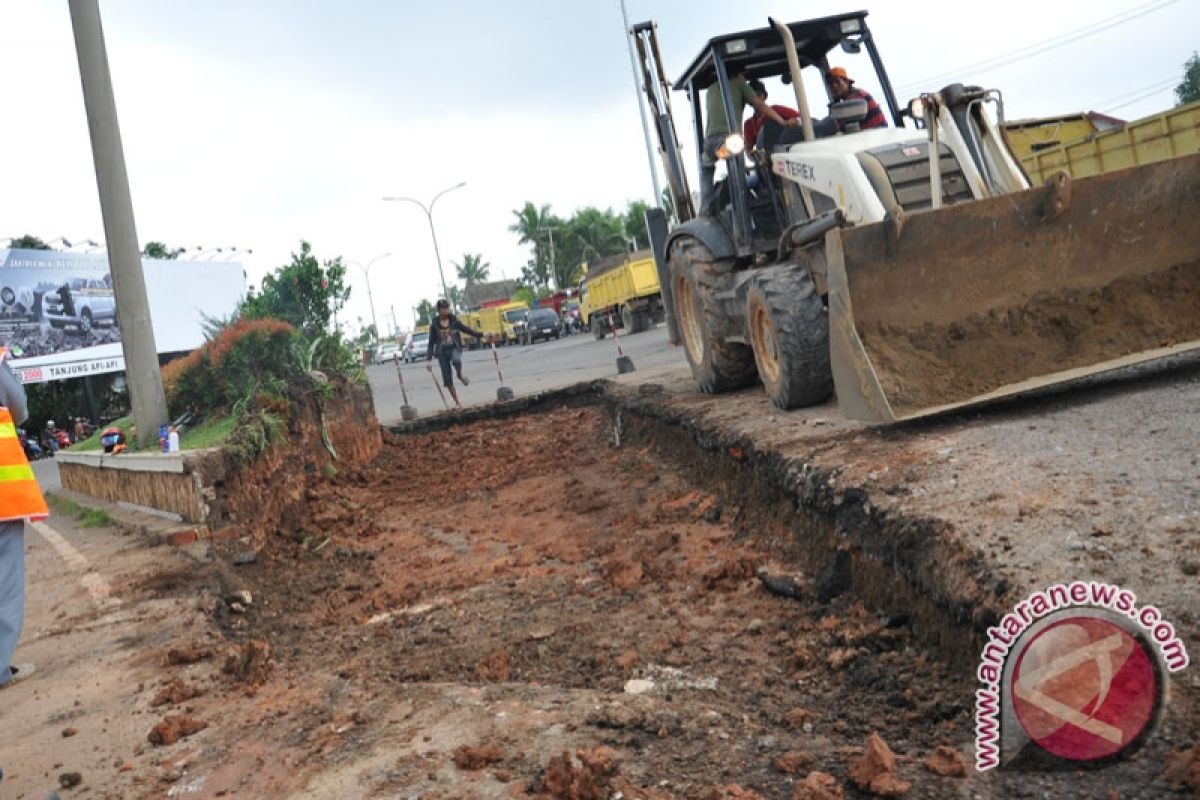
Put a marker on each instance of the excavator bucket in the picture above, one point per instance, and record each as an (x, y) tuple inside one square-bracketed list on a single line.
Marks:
[(974, 302)]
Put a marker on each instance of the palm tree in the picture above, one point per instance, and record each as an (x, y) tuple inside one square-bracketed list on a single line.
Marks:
[(473, 269), (531, 225)]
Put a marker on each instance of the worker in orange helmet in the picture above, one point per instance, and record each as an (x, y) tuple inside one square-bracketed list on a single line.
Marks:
[(841, 86)]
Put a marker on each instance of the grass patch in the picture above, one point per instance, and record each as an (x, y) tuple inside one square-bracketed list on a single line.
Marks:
[(87, 517), (63, 505), (95, 518), (212, 432)]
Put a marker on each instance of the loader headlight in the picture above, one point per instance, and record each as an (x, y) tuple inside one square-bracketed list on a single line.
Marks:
[(916, 108), (734, 146)]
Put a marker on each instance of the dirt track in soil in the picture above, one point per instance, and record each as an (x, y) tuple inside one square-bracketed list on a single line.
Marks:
[(479, 608)]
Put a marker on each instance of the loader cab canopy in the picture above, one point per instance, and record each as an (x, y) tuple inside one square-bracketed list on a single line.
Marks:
[(820, 44), (761, 52)]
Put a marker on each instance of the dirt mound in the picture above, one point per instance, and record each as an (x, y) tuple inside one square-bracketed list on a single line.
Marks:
[(875, 771), (587, 776), (249, 663), (190, 653), (174, 728), (937, 364), (467, 757), (174, 692)]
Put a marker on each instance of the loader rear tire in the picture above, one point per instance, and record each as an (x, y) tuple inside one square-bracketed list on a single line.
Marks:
[(788, 326), (696, 277)]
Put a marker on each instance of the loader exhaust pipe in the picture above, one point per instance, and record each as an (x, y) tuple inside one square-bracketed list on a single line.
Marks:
[(789, 47), (932, 111)]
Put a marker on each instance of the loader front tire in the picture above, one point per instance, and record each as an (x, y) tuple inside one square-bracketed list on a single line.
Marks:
[(788, 326), (696, 277)]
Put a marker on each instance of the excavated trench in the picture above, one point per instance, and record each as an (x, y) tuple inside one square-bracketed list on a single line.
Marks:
[(587, 593)]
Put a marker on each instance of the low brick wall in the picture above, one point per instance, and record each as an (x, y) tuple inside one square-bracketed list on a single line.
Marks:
[(181, 483)]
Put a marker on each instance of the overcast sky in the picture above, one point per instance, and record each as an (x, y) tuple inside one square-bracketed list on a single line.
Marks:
[(257, 123)]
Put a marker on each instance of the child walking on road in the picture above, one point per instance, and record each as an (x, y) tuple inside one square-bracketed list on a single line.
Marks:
[(445, 341)]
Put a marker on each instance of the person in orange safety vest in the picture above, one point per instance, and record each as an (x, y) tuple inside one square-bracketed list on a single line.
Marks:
[(20, 500)]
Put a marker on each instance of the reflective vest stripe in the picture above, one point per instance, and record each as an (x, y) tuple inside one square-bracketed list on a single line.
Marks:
[(23, 495), (20, 497), (17, 472)]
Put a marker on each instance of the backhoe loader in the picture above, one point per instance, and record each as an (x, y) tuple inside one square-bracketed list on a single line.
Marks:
[(911, 268)]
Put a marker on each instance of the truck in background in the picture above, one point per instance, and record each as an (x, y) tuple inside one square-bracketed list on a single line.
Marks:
[(622, 291), (1158, 137), (491, 319)]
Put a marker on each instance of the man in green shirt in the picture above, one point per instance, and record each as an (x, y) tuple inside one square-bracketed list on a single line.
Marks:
[(717, 126)]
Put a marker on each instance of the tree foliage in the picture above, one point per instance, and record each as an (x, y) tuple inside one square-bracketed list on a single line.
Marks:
[(305, 293), (28, 242), (532, 225), (562, 246), (161, 251), (472, 269), (1188, 90), (425, 312)]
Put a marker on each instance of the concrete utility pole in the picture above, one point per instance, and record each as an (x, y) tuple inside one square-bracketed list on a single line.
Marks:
[(370, 297), (553, 260), (116, 207), (637, 95)]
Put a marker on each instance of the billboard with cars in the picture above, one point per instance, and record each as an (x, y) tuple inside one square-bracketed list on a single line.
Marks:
[(58, 309)]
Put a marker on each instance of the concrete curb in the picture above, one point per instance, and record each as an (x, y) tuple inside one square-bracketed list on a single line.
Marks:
[(130, 519)]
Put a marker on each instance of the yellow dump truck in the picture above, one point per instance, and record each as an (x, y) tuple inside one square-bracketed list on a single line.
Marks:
[(1157, 137), (624, 292), (492, 320), (1028, 136)]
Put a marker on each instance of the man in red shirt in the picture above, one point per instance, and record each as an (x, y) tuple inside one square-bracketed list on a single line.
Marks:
[(753, 125), (842, 86)]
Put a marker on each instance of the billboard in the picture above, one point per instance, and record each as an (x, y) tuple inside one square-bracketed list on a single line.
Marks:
[(60, 310)]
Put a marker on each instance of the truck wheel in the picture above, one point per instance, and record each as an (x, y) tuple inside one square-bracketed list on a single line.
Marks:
[(789, 328), (597, 329), (634, 321), (717, 365), (85, 321)]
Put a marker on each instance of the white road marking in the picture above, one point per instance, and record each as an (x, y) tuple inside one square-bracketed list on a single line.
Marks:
[(96, 584)]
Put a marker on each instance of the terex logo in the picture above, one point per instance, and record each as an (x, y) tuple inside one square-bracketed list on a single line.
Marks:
[(805, 172)]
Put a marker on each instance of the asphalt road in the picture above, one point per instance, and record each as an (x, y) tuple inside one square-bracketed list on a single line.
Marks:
[(527, 369)]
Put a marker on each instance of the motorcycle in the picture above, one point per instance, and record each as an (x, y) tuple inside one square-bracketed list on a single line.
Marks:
[(33, 451)]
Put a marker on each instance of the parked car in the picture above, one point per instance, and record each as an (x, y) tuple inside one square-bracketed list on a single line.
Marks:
[(415, 346), (542, 324), (388, 351)]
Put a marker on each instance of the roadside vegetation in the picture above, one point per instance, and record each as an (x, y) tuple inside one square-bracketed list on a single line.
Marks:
[(237, 390)]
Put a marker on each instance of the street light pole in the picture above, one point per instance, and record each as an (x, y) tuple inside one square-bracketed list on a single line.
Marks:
[(433, 233), (370, 297)]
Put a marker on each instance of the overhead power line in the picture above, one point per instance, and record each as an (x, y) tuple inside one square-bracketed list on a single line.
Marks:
[(1052, 43), (1156, 86), (1139, 98)]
